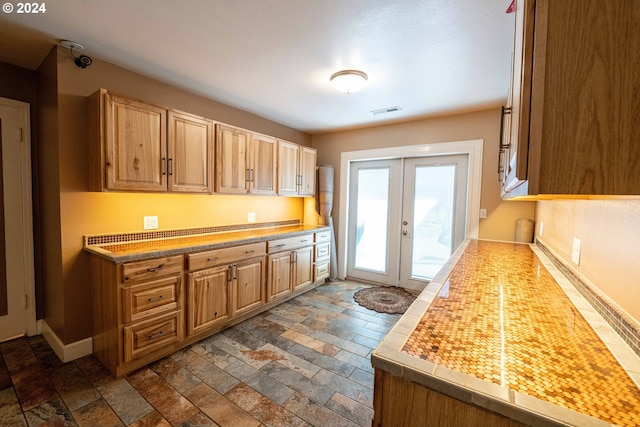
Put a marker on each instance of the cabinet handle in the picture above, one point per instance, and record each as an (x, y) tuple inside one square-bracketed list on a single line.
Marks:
[(251, 175), (154, 269), (158, 298), (170, 167), (247, 175), (215, 258), (157, 335), (250, 252), (164, 166), (504, 111), (280, 245), (503, 147), (304, 240)]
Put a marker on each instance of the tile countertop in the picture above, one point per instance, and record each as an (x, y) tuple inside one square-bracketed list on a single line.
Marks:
[(499, 327), (146, 249)]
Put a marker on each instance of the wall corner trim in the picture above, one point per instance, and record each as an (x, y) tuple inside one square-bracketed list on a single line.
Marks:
[(66, 352)]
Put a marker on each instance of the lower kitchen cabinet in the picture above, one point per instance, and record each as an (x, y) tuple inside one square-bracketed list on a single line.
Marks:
[(303, 266), (322, 256), (138, 310), (279, 275), (290, 265), (145, 310), (248, 286), (207, 299)]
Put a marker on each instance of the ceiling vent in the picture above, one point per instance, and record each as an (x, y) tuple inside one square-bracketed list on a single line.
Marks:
[(386, 110)]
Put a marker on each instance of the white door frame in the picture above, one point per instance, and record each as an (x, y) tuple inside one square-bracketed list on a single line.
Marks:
[(473, 148), (27, 211)]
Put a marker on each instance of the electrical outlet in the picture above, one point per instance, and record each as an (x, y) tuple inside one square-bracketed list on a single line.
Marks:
[(483, 213), (150, 222), (541, 229), (575, 253), (251, 217)]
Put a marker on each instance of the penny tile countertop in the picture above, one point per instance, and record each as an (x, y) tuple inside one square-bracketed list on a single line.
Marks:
[(501, 328), (145, 249)]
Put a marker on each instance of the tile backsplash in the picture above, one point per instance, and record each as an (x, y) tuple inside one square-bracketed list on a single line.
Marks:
[(104, 239), (626, 327)]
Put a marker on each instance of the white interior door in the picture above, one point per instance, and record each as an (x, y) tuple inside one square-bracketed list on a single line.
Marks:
[(18, 230), (374, 229), (406, 216), (433, 216)]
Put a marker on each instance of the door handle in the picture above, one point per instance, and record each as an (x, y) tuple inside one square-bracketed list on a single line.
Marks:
[(405, 232)]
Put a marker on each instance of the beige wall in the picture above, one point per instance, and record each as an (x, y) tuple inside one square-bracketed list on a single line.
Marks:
[(609, 231), (501, 216), (72, 212)]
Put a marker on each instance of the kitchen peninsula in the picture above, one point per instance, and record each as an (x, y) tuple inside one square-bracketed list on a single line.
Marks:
[(155, 292), (501, 338)]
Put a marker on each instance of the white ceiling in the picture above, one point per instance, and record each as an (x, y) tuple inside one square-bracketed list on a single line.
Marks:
[(274, 57)]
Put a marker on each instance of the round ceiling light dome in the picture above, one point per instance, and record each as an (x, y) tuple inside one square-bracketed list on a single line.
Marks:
[(348, 81)]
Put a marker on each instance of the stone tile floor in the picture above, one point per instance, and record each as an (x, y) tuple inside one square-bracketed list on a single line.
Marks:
[(304, 362)]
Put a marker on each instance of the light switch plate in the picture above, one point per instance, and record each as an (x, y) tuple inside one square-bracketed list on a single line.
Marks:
[(150, 222), (251, 217), (541, 229), (483, 213), (575, 253)]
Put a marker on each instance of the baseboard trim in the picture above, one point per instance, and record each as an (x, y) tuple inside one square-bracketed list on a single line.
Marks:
[(66, 352)]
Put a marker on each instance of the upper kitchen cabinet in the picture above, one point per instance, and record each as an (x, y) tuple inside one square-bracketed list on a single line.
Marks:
[(296, 169), (245, 161), (132, 151), (132, 144), (262, 163), (190, 153), (574, 121)]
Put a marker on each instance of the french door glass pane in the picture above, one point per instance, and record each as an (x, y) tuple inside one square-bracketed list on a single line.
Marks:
[(372, 219), (432, 219)]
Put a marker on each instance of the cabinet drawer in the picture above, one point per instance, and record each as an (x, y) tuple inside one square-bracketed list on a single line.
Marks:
[(322, 251), (215, 257), (323, 236), (151, 268), (140, 301), (155, 334), (289, 243), (321, 271)]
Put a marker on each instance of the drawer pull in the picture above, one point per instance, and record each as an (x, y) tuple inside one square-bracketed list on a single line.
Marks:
[(158, 298), (215, 258), (304, 240), (155, 269), (250, 252), (280, 245), (156, 335)]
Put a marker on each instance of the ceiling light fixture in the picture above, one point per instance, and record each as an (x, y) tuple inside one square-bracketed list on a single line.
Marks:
[(348, 81)]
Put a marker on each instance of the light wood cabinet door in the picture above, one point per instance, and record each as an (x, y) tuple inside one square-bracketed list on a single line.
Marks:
[(280, 275), (248, 291), (207, 299), (288, 159), (303, 267), (262, 171), (190, 153), (232, 172), (135, 145), (307, 180)]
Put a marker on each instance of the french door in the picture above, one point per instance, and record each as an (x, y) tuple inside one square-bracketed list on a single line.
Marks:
[(406, 217)]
